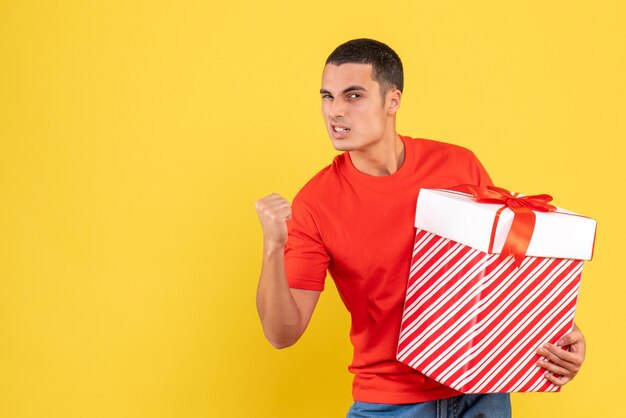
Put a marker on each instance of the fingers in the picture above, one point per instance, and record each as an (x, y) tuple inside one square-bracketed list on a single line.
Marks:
[(274, 207), (559, 381), (559, 355), (553, 368), (274, 211), (272, 200), (561, 365), (571, 338)]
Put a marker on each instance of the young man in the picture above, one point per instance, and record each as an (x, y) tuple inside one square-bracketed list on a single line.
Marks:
[(355, 219)]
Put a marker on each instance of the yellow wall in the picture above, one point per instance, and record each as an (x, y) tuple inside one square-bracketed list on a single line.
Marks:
[(135, 137)]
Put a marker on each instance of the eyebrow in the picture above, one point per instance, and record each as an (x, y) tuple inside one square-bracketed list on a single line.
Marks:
[(346, 90)]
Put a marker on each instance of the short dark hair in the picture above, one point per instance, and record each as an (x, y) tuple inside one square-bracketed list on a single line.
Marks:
[(386, 64)]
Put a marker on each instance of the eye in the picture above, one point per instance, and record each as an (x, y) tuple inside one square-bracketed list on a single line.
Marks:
[(353, 95), (326, 96)]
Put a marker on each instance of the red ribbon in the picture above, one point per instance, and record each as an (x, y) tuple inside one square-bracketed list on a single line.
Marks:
[(516, 243)]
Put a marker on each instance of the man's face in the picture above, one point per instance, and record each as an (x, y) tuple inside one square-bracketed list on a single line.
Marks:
[(355, 114)]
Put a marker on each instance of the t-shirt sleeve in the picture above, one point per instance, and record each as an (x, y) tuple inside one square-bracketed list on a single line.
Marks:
[(306, 258)]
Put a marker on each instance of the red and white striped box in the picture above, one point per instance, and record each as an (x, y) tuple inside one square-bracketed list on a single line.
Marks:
[(473, 319)]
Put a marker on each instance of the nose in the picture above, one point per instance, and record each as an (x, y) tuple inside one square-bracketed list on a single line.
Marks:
[(337, 109)]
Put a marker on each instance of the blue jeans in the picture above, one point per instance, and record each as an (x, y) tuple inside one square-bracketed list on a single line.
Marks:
[(493, 405)]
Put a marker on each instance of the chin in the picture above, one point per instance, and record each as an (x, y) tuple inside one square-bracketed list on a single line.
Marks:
[(341, 145), (344, 144)]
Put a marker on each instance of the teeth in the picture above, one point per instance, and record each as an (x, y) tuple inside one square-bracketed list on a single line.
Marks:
[(338, 129)]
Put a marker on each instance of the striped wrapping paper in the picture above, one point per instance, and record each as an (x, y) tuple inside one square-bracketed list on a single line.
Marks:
[(473, 321)]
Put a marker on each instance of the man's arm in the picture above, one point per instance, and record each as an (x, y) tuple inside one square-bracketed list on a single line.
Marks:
[(284, 312), (563, 362)]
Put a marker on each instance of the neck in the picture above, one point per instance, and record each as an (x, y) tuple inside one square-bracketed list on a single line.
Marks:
[(381, 159)]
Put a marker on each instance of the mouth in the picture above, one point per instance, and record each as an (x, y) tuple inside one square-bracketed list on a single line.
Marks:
[(339, 132)]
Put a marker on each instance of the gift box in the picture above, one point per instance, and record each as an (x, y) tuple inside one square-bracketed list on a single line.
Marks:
[(494, 275)]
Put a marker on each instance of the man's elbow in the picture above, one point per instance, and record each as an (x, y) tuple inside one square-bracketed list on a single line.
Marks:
[(281, 344), (282, 341)]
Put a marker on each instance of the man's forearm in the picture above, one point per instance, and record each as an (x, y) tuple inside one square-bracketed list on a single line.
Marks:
[(277, 308)]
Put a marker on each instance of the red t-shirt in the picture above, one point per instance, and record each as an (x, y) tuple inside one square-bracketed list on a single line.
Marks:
[(361, 229)]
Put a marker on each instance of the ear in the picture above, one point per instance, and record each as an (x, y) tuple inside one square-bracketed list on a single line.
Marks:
[(394, 98)]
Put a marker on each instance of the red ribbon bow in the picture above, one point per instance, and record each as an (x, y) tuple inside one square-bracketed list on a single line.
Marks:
[(516, 243)]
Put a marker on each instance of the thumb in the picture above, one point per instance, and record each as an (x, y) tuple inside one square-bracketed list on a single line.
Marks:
[(569, 339)]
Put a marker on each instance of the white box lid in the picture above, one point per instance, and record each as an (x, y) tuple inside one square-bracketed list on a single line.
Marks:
[(457, 216)]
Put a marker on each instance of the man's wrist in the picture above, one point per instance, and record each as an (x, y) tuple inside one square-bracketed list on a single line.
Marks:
[(272, 249)]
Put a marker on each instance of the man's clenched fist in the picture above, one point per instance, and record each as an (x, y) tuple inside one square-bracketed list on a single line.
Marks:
[(273, 212)]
